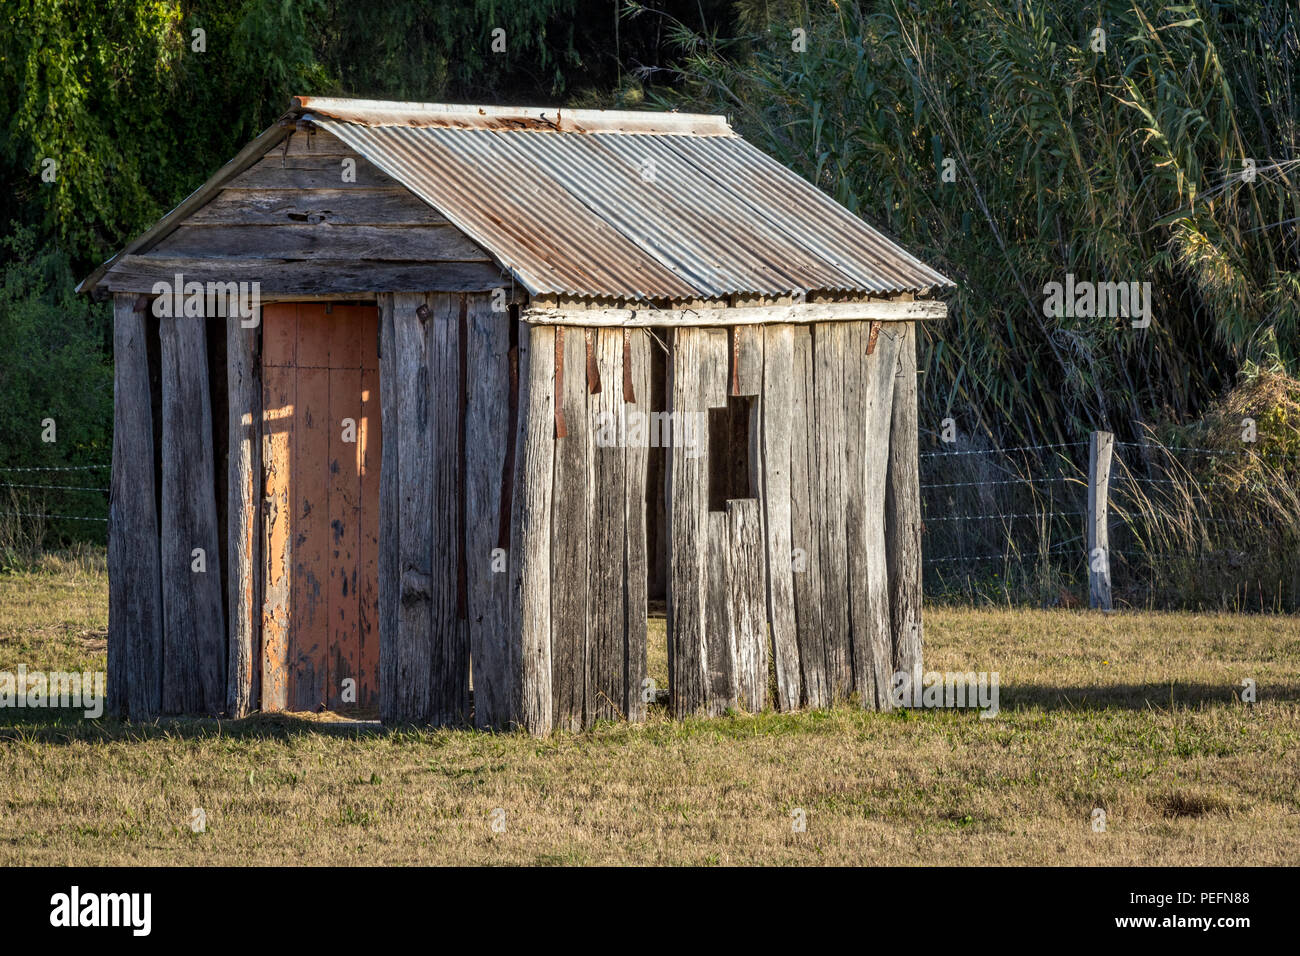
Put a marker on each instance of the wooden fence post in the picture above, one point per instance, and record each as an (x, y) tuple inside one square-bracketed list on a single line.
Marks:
[(1100, 447)]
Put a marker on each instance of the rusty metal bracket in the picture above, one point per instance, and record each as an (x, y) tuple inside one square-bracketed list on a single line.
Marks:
[(561, 429), (593, 370), (871, 339), (629, 395)]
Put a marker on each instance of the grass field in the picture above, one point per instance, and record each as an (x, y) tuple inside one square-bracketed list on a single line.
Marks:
[(1133, 713)]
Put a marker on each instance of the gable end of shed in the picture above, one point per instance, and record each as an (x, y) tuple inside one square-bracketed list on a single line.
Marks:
[(308, 216)]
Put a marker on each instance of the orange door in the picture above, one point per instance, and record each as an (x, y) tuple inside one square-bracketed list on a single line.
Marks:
[(321, 444)]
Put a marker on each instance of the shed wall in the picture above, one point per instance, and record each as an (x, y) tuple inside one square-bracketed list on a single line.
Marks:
[(513, 532)]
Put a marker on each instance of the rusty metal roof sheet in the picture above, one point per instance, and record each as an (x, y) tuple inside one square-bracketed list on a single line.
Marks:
[(604, 203), (593, 203)]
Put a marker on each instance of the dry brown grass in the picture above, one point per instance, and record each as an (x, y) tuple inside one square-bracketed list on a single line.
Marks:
[(1134, 713)]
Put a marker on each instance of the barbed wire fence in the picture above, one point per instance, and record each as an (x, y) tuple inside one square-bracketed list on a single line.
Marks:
[(1000, 523), (44, 504), (1012, 524)]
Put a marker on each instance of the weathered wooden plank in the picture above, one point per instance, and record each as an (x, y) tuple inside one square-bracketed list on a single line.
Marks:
[(571, 533), (303, 171), (750, 620), (530, 565), (723, 316), (300, 277), (338, 207), (309, 624), (687, 495), (714, 385), (370, 443), (244, 516), (636, 558), (903, 513), (747, 360), (805, 519), (778, 383), (194, 633), (698, 366), (856, 388), (747, 599), (314, 142), (487, 417), (391, 659), (450, 673), (868, 414), (135, 614), (830, 354), (606, 619), (343, 597), (719, 644), (422, 243), (279, 379), (387, 206), (408, 689)]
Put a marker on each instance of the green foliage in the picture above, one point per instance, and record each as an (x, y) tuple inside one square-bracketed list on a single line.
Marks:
[(132, 114), (53, 365), (1120, 164), (52, 361)]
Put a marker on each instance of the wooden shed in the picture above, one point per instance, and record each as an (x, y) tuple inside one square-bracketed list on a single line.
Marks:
[(499, 379)]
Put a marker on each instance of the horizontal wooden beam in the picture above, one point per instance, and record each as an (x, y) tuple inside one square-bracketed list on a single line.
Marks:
[(323, 241), (742, 315), (302, 277)]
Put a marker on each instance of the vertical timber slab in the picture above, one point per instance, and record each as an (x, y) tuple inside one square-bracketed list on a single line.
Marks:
[(605, 566), (868, 565), (687, 495), (530, 544), (830, 355), (636, 560), (407, 688), (778, 358), (390, 530), (279, 386), (571, 532), (194, 632), (135, 616), (698, 381), (805, 519), (857, 375), (370, 443), (903, 511), (449, 676), (747, 359), (487, 416), (244, 515), (745, 529), (720, 650), (747, 598)]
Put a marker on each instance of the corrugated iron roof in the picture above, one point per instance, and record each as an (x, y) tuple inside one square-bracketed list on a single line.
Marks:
[(602, 203), (623, 204)]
